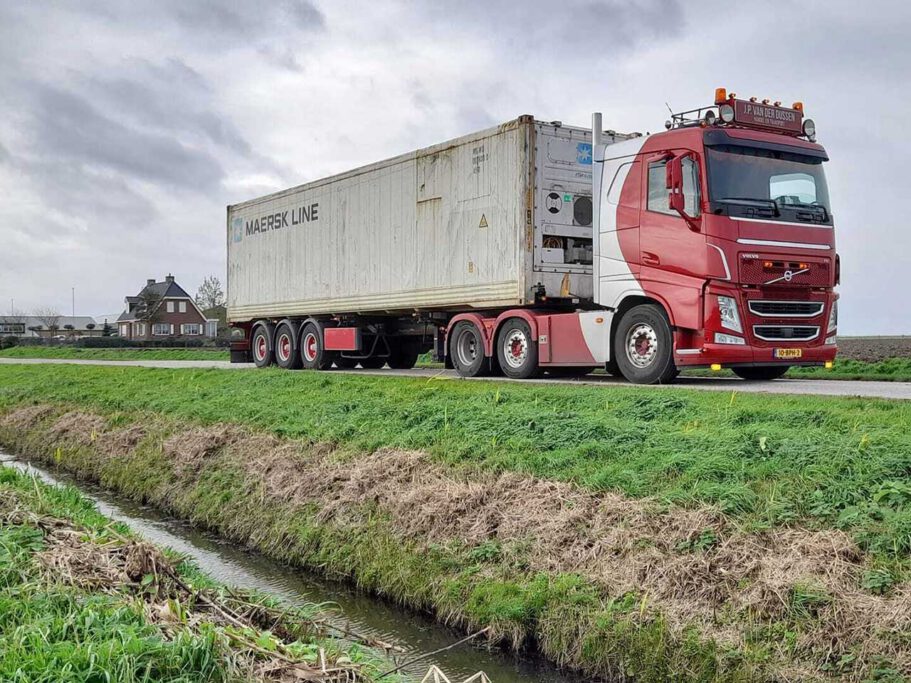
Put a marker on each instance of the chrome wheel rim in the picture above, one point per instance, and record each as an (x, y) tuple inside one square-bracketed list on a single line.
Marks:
[(515, 348), (641, 345), (467, 348)]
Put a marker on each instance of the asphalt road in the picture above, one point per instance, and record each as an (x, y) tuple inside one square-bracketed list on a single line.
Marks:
[(814, 387)]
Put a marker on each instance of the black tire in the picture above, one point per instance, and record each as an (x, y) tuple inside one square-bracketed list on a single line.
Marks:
[(569, 371), (612, 369), (644, 346), (762, 373), (466, 348), (517, 350), (343, 363), (372, 363), (261, 347), (287, 354), (404, 354), (313, 354)]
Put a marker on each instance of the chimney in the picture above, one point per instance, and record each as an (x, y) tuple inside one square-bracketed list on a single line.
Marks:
[(150, 281), (169, 278)]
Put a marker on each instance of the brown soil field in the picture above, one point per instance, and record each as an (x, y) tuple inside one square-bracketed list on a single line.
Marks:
[(872, 349)]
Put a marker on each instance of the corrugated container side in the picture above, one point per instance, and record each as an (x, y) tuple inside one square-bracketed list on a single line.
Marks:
[(444, 227)]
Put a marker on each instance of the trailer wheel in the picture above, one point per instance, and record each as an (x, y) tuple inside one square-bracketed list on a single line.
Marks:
[(261, 347), (644, 346), (312, 353), (466, 349), (517, 350), (286, 351), (404, 355), (764, 373)]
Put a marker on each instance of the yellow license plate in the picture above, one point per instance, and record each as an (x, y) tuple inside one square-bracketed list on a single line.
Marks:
[(788, 353)]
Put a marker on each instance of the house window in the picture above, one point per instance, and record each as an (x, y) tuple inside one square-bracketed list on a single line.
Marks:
[(170, 307), (12, 328), (191, 328), (161, 329), (142, 329), (182, 306), (123, 330)]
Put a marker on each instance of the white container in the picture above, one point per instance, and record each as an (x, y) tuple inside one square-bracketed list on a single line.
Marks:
[(460, 225)]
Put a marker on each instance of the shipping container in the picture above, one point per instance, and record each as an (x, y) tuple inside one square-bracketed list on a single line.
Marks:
[(495, 219)]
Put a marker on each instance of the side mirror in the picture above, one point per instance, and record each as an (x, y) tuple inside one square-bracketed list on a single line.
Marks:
[(676, 200)]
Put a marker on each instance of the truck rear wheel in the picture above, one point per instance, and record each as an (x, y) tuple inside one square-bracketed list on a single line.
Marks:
[(261, 347), (286, 351), (466, 348), (767, 372), (643, 346), (517, 350), (312, 351)]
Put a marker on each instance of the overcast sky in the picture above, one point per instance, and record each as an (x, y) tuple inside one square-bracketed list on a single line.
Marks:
[(126, 128)]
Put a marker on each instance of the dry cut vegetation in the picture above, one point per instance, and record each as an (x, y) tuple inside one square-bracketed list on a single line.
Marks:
[(614, 586)]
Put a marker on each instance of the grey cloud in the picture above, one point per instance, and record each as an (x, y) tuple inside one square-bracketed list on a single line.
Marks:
[(68, 126)]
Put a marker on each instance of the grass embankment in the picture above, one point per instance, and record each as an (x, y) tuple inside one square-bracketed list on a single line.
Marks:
[(773, 543), (82, 599), (67, 352)]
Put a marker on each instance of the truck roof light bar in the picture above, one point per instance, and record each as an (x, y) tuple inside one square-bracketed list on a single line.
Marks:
[(752, 113)]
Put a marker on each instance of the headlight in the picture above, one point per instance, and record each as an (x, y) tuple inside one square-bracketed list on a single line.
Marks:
[(730, 319), (726, 112), (833, 318), (722, 338)]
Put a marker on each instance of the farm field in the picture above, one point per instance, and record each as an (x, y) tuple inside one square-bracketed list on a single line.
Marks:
[(113, 354), (528, 508), (82, 598)]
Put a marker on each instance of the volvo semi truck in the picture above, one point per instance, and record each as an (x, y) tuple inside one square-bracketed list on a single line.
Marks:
[(537, 247)]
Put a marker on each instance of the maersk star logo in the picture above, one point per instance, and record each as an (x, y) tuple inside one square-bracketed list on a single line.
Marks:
[(237, 228), (584, 153)]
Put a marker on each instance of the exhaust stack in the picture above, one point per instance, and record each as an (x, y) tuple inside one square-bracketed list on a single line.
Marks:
[(596, 129)]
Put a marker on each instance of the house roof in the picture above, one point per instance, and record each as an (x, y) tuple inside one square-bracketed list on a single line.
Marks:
[(168, 289)]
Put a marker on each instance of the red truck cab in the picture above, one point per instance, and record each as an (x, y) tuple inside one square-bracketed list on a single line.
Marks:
[(723, 225)]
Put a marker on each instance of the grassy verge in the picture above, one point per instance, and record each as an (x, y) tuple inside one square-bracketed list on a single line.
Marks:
[(82, 599), (765, 460), (66, 352)]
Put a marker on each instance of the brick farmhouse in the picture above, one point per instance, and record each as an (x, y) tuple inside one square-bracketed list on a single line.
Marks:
[(162, 310)]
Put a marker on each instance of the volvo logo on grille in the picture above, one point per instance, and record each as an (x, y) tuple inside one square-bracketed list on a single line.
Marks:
[(788, 276)]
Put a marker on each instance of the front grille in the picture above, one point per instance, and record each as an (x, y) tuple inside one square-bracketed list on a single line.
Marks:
[(786, 309), (753, 271), (786, 332)]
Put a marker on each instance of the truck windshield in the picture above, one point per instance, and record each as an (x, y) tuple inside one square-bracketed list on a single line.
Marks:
[(768, 184)]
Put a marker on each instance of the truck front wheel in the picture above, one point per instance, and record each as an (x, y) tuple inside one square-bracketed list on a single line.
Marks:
[(466, 348), (261, 347), (643, 346), (517, 350), (313, 354), (762, 373)]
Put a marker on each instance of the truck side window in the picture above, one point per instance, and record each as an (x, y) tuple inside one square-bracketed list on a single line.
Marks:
[(657, 187)]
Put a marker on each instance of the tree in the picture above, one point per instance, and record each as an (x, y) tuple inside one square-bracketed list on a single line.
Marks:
[(210, 294), (90, 326), (50, 318), (106, 330), (148, 310)]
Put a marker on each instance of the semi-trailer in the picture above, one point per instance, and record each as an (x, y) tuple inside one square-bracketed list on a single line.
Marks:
[(539, 247)]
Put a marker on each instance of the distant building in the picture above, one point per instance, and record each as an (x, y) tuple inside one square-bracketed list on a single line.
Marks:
[(173, 313), (68, 326)]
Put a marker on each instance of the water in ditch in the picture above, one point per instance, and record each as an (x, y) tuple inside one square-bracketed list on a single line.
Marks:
[(415, 634)]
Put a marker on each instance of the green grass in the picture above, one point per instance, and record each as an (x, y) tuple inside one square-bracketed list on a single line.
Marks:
[(889, 370), (68, 352), (765, 460), (54, 632)]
